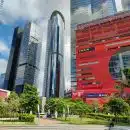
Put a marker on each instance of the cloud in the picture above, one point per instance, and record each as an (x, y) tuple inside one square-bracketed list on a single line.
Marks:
[(3, 47), (3, 65), (22, 9)]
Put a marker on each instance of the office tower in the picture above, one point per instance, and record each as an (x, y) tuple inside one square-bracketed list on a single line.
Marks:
[(29, 58), (103, 8), (13, 60), (2, 78), (80, 13), (83, 11), (126, 4), (54, 64)]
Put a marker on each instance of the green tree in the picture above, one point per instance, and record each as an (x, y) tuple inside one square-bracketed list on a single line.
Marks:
[(29, 99), (106, 109), (95, 106), (118, 106), (13, 103), (3, 107), (50, 105), (55, 104), (80, 108)]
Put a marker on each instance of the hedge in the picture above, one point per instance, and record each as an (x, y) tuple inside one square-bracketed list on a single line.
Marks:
[(123, 119), (26, 118), (9, 115), (100, 116)]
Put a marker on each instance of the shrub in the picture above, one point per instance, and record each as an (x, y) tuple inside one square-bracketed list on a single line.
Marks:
[(26, 118), (100, 116), (123, 119)]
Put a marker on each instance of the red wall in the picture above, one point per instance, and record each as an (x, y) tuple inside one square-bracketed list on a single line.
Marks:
[(3, 93), (103, 39)]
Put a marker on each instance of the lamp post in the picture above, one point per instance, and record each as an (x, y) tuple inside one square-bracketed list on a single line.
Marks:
[(38, 110)]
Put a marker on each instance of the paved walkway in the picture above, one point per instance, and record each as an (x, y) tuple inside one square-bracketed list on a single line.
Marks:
[(48, 122), (54, 127)]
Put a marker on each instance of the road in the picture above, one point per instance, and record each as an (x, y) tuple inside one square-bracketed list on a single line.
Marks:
[(62, 127), (55, 127)]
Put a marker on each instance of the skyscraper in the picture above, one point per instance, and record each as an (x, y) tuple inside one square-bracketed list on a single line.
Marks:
[(126, 4), (13, 60), (103, 8), (2, 78), (54, 64), (29, 58), (83, 11), (80, 13)]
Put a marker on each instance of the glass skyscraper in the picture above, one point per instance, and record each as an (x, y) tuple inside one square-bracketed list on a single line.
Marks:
[(126, 4), (2, 78), (80, 11), (83, 11), (13, 60), (54, 64), (29, 59), (103, 8)]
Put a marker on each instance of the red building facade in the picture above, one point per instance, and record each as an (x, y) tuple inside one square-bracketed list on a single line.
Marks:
[(96, 43), (4, 93)]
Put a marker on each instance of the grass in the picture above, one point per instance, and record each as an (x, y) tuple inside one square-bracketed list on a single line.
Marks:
[(88, 121), (83, 121)]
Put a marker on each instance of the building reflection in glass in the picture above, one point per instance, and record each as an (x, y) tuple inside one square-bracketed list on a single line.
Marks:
[(54, 70)]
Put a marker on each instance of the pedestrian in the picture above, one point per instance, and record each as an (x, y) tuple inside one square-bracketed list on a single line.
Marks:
[(111, 124)]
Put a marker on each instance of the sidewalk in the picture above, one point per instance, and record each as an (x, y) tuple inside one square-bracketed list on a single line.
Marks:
[(48, 122)]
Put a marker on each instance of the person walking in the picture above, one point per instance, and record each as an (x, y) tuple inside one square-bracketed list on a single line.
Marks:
[(111, 124)]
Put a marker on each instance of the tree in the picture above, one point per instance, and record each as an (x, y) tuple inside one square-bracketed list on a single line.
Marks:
[(118, 106), (95, 106), (106, 109), (13, 102), (55, 104), (3, 107), (80, 108), (126, 72), (29, 99)]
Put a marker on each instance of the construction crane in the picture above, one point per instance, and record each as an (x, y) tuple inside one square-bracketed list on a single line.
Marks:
[(1, 10)]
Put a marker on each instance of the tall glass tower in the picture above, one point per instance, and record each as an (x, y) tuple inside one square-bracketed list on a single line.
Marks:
[(83, 11), (126, 4), (103, 8), (54, 64), (11, 70), (29, 59), (80, 13)]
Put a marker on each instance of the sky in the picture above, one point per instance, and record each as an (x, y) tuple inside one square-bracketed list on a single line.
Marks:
[(17, 12)]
